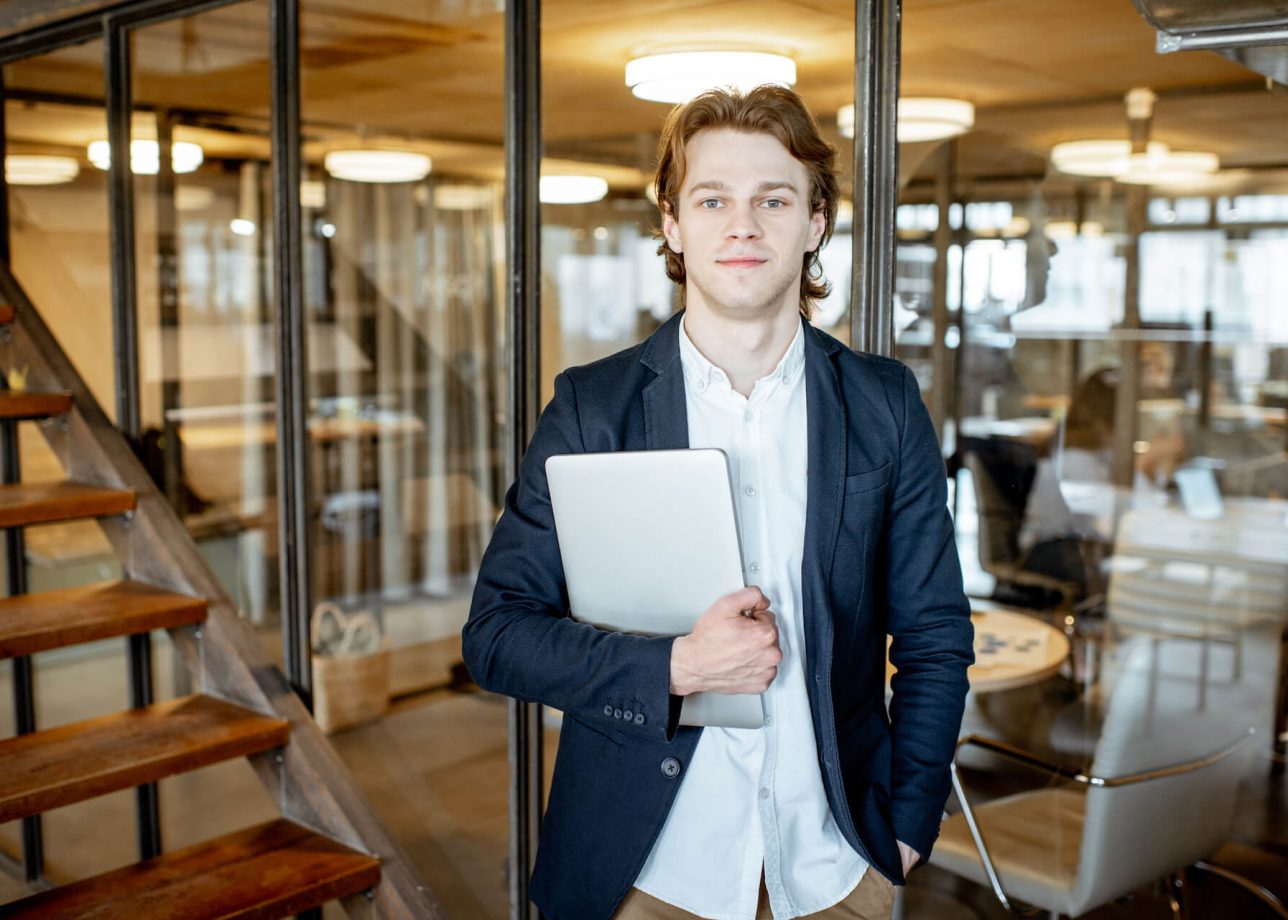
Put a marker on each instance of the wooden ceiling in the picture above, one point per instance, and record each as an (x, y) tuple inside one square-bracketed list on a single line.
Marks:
[(428, 75)]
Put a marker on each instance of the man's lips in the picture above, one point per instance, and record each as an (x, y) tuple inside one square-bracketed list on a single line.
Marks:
[(741, 262)]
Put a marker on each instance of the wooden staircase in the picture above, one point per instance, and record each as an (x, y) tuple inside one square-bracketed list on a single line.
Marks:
[(273, 870)]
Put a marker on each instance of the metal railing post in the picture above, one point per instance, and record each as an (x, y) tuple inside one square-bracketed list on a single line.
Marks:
[(876, 174), (523, 257), (120, 192), (292, 354), (15, 555)]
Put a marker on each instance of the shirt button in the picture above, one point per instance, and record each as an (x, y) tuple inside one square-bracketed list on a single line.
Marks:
[(670, 768), (750, 491), (764, 795), (769, 720), (749, 416), (754, 568)]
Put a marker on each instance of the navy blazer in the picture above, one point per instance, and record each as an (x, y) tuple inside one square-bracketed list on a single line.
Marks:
[(879, 558)]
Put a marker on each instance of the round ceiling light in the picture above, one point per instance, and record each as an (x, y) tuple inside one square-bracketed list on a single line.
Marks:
[(145, 156), (464, 197), (1113, 159), (678, 76), (23, 169), (921, 118), (1103, 158), (572, 189), (377, 165), (1169, 167)]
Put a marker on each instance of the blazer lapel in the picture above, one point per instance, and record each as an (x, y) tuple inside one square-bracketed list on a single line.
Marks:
[(826, 472), (666, 417)]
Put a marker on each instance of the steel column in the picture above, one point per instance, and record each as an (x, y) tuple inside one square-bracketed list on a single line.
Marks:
[(523, 256), (1140, 112), (292, 353), (940, 355), (876, 173), (120, 188)]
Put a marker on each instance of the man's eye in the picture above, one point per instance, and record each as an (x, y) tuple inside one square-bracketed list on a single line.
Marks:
[(709, 203), (775, 203)]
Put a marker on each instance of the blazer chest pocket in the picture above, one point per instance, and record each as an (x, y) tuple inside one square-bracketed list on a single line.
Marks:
[(866, 482)]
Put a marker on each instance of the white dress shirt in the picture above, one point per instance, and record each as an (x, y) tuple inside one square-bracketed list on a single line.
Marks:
[(754, 798)]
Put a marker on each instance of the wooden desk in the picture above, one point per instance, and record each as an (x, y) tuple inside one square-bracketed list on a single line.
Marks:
[(1012, 649)]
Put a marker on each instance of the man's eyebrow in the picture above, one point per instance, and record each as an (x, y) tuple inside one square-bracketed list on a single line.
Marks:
[(768, 185)]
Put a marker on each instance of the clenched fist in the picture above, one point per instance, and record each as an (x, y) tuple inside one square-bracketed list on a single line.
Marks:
[(733, 648)]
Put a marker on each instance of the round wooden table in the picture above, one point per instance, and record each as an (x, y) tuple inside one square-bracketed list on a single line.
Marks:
[(1012, 649)]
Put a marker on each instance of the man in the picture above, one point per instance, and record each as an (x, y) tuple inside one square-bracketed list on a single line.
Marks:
[(846, 537)]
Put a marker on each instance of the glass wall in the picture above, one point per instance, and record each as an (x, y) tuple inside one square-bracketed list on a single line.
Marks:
[(404, 292), (1115, 359), (603, 284)]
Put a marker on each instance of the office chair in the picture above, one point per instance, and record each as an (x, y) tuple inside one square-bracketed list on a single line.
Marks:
[(1000, 500), (1158, 798)]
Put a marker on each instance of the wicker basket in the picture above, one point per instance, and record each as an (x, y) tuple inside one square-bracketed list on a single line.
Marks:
[(348, 689)]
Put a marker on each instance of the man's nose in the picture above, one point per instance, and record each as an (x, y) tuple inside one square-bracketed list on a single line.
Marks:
[(744, 222)]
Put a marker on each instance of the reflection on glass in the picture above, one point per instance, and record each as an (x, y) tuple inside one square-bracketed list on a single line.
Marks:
[(604, 287), (404, 274), (205, 292)]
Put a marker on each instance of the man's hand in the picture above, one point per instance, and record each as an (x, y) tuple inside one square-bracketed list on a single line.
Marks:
[(733, 648), (909, 856)]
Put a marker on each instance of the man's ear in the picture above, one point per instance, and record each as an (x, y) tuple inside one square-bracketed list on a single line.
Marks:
[(817, 224), (671, 230)]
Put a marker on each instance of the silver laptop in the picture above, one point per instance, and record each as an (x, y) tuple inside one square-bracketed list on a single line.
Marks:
[(649, 541)]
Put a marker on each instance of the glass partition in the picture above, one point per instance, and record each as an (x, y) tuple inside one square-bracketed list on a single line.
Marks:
[(404, 268), (1111, 390), (604, 286)]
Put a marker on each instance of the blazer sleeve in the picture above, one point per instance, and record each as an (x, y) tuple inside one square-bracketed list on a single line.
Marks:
[(928, 618), (519, 639)]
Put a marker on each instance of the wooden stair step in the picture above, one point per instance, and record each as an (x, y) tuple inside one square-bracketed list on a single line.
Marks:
[(21, 404), (24, 503), (58, 766), (31, 623), (273, 870)]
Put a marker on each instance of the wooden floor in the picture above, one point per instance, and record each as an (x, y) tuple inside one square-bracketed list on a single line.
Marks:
[(435, 768)]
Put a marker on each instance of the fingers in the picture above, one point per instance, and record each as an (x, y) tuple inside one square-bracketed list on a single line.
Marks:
[(744, 599)]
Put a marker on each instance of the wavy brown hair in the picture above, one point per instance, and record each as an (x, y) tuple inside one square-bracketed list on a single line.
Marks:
[(764, 110)]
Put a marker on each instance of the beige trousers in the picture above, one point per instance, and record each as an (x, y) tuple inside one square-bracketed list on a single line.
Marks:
[(872, 899)]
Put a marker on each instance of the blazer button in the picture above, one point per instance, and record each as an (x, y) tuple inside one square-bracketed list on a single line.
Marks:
[(628, 715), (670, 768), (639, 718), (617, 713), (608, 710)]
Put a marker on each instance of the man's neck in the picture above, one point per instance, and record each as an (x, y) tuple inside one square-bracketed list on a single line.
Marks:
[(746, 350)]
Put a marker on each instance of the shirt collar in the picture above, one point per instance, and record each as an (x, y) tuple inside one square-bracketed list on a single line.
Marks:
[(700, 372)]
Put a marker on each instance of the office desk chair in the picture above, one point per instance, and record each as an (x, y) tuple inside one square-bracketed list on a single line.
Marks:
[(1158, 798)]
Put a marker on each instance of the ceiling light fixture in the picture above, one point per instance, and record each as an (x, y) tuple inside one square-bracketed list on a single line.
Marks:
[(921, 118), (1113, 159), (678, 76), (145, 156), (1102, 158), (1169, 167), (572, 189), (36, 169), (464, 197), (377, 165)]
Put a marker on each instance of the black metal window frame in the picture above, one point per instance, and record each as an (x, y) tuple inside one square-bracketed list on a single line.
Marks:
[(876, 36)]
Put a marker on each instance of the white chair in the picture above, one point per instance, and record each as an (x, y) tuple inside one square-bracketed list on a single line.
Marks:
[(1159, 797)]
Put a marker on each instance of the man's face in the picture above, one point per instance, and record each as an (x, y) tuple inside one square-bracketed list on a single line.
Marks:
[(743, 224)]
